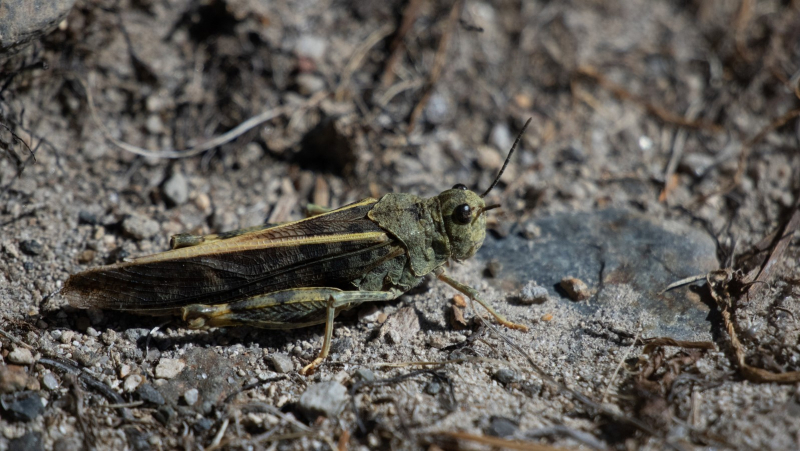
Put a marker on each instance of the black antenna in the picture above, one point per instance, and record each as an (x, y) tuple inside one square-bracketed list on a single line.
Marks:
[(508, 158)]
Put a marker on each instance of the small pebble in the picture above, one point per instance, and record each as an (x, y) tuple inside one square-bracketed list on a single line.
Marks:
[(49, 381), (311, 46), (576, 289), (433, 388), (10, 249), (369, 313), (124, 371), (85, 217), (191, 396), (132, 382), (502, 427), (86, 256), (165, 414), (109, 337), (438, 109), (203, 424), (532, 293), (505, 376), (309, 84), (437, 342), (85, 357), (176, 189), (169, 368), (154, 441), (322, 399), (139, 227), (500, 137), (365, 374), (154, 124), (67, 336), (202, 202), (133, 335), (149, 394), (282, 363), (531, 231), (92, 332), (31, 247), (21, 356)]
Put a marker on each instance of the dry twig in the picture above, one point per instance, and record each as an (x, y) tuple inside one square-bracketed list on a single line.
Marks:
[(656, 110), (719, 283), (224, 138), (438, 65), (397, 46)]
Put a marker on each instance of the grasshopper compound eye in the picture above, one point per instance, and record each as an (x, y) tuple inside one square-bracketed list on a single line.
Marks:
[(462, 214), (460, 186)]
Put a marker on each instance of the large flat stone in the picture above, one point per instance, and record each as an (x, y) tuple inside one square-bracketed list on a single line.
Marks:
[(625, 256)]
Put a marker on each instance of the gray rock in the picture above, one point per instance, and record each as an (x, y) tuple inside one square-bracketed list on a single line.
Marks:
[(341, 345), (176, 189), (505, 376), (22, 407), (532, 293), (31, 247), (31, 441), (86, 217), (433, 388), (212, 374), (133, 335), (365, 374), (139, 227), (323, 399), (632, 252), (400, 327), (22, 21), (148, 393), (203, 424), (164, 415), (282, 363), (502, 427)]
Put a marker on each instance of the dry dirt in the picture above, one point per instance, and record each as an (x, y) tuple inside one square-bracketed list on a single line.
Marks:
[(680, 111)]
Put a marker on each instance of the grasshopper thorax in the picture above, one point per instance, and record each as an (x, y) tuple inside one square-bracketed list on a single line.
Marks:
[(464, 220)]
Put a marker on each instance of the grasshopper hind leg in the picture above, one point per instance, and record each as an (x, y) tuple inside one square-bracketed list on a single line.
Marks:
[(287, 309), (472, 293)]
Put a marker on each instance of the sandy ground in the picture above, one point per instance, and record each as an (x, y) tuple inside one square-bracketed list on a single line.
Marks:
[(683, 113)]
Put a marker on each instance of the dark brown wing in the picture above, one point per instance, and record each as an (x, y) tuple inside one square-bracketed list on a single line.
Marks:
[(327, 250)]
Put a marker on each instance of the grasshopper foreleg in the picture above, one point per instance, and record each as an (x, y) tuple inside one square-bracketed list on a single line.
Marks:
[(473, 294), (287, 309)]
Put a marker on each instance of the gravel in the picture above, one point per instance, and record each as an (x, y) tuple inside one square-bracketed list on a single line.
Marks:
[(323, 399)]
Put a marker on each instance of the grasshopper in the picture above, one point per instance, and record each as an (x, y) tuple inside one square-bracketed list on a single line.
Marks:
[(300, 273)]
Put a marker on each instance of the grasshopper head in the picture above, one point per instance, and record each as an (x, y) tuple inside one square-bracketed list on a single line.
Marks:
[(465, 223), (463, 213)]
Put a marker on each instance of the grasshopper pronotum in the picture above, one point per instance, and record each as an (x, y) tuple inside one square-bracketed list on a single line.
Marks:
[(300, 273)]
